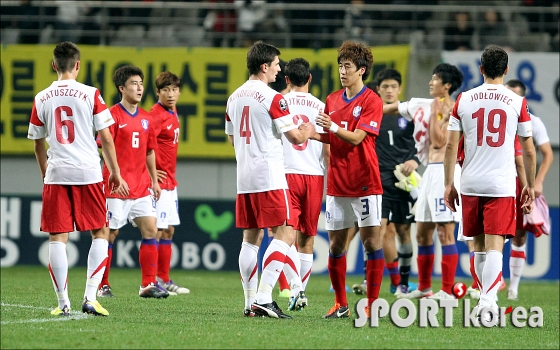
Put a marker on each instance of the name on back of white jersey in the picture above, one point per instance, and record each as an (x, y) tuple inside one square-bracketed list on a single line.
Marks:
[(247, 93), (491, 96), (302, 101), (64, 92)]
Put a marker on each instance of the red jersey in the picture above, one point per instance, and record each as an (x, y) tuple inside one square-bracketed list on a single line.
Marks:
[(166, 127), (134, 137), (354, 170)]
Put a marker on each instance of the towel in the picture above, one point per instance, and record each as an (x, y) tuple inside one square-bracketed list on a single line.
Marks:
[(538, 220)]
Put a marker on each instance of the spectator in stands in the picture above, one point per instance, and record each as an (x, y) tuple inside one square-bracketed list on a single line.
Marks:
[(68, 22), (494, 31), (250, 15), (459, 34), (221, 25), (356, 23), (29, 23)]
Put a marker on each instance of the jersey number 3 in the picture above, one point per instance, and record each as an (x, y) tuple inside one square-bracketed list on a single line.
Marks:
[(244, 127)]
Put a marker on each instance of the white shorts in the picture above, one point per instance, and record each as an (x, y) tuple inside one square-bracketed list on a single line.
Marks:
[(430, 206), (343, 212), (167, 208), (123, 210)]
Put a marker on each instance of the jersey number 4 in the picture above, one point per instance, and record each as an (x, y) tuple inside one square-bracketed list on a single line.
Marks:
[(491, 126), (244, 127)]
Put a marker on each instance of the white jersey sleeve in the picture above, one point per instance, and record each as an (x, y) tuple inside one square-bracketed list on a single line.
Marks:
[(540, 135), (66, 114), (256, 115), (490, 117), (306, 158)]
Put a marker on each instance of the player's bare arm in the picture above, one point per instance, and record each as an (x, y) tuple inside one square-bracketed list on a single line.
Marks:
[(352, 137), (151, 164), (116, 182), (41, 155), (547, 158), (391, 108), (230, 139), (530, 164), (438, 127), (300, 135), (451, 196)]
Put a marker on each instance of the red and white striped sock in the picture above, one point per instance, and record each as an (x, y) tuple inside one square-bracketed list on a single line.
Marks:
[(97, 261), (273, 263), (306, 261), (491, 277), (516, 263), (58, 268), (248, 256), (292, 268)]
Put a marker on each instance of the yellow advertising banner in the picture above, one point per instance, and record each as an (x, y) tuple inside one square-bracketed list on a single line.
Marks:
[(209, 75)]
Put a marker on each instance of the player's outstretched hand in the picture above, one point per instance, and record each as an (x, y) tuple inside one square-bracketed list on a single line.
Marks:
[(156, 191), (161, 175), (527, 199), (451, 197), (118, 185), (323, 120), (308, 129)]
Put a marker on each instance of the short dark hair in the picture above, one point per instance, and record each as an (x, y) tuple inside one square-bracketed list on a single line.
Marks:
[(388, 74), (372, 84), (297, 70), (494, 61), (516, 83), (65, 54), (280, 83), (259, 54), (448, 73), (122, 74), (167, 78), (357, 53)]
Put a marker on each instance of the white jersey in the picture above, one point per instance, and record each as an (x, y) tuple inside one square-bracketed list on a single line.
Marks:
[(307, 158), (540, 136), (419, 111), (256, 116), (67, 113), (490, 116)]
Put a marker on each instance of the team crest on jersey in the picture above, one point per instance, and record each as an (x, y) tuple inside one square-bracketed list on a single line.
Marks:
[(145, 124), (402, 122), (283, 104), (357, 111)]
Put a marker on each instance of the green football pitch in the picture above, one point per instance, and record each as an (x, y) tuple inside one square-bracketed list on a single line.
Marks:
[(212, 317)]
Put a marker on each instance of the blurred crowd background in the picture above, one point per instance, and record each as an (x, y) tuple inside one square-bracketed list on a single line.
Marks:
[(518, 25)]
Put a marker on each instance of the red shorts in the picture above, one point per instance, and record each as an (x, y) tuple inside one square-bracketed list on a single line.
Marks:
[(490, 215), (306, 194), (66, 205), (263, 209), (519, 217)]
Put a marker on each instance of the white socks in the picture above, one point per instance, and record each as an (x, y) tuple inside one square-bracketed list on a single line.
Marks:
[(97, 261), (58, 268), (491, 277), (479, 260), (249, 271), (292, 268), (516, 264), (273, 263), (306, 261)]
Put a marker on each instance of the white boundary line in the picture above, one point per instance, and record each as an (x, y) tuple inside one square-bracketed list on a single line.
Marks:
[(74, 315)]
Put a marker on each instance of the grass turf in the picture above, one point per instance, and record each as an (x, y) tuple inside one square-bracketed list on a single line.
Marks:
[(211, 317)]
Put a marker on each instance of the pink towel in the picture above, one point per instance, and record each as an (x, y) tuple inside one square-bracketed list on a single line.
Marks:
[(538, 221)]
